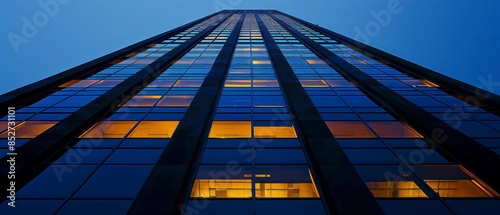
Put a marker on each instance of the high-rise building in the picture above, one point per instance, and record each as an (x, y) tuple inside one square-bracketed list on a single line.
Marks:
[(250, 112)]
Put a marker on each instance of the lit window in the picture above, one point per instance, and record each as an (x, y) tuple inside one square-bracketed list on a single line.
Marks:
[(30, 129), (230, 129), (175, 101), (188, 83), (290, 181), (394, 129), (154, 129), (454, 181), (79, 83), (395, 189), (109, 129), (346, 129), (265, 83), (237, 83), (142, 101), (259, 62), (313, 83), (316, 61), (222, 188), (107, 83), (274, 132)]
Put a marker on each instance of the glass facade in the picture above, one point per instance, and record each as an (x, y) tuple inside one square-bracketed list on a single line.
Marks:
[(254, 156)]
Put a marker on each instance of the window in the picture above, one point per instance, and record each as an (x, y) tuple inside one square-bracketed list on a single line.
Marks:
[(395, 189), (268, 101), (237, 83), (109, 129), (453, 181), (176, 101), (260, 62), (161, 83), (313, 83), (107, 83), (265, 83), (154, 129), (235, 101), (142, 101), (30, 129), (79, 83), (394, 129), (274, 132), (230, 129), (346, 129), (188, 83)]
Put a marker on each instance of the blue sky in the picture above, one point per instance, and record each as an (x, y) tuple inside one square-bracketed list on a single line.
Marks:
[(458, 38)]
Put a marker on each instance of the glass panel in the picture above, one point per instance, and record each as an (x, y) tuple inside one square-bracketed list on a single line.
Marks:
[(109, 129), (175, 101), (394, 129), (395, 189), (29, 129), (230, 129), (222, 188), (345, 129), (142, 101), (274, 132), (154, 129)]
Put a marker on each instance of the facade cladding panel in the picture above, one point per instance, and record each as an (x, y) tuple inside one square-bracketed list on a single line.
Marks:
[(251, 112)]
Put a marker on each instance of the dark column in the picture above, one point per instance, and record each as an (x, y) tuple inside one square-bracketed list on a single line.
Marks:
[(166, 190), (342, 189), (473, 155), (32, 156)]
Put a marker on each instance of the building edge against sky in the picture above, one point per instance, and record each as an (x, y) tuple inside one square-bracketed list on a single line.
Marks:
[(252, 112)]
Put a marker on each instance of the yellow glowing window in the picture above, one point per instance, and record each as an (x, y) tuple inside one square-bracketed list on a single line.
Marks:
[(265, 83), (142, 101), (395, 189), (313, 83), (79, 83), (429, 84), (231, 129), (162, 83), (347, 129), (237, 83), (109, 129), (394, 129), (175, 101), (220, 188), (29, 129), (259, 62), (285, 190), (316, 62), (188, 83), (107, 83), (274, 132), (458, 188), (154, 129)]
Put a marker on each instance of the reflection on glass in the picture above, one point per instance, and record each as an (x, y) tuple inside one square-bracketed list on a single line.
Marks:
[(175, 101), (394, 129), (109, 129), (154, 129), (29, 129), (142, 101), (348, 129)]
